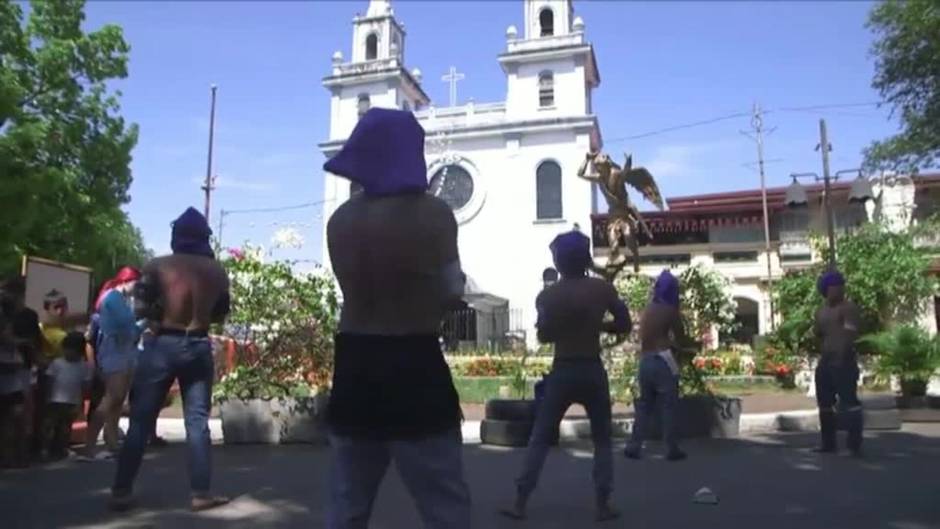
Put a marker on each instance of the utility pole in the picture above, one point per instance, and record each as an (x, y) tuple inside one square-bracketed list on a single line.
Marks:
[(208, 186), (757, 124), (825, 147), (218, 237)]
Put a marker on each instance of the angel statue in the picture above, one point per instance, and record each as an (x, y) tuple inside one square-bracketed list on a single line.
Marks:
[(624, 220)]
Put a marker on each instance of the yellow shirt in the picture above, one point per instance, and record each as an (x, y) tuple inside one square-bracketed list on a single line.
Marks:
[(52, 346)]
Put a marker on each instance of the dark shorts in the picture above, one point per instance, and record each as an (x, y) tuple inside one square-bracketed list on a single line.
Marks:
[(9, 400), (391, 388)]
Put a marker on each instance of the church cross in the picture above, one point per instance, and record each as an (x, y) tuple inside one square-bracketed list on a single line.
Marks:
[(452, 77)]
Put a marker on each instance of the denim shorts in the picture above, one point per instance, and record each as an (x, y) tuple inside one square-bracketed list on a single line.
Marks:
[(116, 355)]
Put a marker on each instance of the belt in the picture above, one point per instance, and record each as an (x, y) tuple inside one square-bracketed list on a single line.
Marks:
[(188, 333), (577, 360)]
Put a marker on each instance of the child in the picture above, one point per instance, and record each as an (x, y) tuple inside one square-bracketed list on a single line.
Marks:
[(69, 378), (13, 383)]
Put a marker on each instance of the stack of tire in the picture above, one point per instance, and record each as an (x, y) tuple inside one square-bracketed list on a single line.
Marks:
[(508, 422)]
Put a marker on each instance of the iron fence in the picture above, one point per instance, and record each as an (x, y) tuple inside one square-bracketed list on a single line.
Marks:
[(471, 331)]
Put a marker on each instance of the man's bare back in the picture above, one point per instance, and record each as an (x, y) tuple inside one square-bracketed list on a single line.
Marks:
[(571, 315), (389, 255), (660, 328), (191, 289)]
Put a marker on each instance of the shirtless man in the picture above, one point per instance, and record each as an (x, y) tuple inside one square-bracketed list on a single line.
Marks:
[(394, 252), (837, 323), (571, 315), (660, 333), (183, 294)]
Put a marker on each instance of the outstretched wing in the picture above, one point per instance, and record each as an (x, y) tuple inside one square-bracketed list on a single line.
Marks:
[(640, 179)]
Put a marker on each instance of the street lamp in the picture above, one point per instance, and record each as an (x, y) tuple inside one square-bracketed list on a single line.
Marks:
[(859, 192)]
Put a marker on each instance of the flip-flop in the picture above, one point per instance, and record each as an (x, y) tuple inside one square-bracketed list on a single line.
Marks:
[(205, 503), (512, 514)]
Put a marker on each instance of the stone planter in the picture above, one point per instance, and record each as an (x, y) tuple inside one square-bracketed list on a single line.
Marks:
[(274, 421), (702, 416), (913, 388)]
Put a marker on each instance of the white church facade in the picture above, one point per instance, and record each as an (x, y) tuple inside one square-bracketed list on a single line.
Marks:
[(508, 169)]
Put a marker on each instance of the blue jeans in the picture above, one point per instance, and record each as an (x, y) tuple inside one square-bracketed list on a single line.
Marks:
[(431, 469), (659, 388), (163, 360), (584, 383)]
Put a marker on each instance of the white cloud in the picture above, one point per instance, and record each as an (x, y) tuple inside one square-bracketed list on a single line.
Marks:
[(681, 160)]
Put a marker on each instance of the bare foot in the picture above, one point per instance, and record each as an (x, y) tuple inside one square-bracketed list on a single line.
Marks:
[(120, 503), (606, 513), (203, 503), (514, 512)]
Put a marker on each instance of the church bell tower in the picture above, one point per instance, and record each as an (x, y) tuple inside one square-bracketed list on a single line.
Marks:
[(376, 75)]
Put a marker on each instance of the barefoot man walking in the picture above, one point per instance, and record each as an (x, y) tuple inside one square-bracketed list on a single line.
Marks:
[(394, 252), (185, 293), (571, 315)]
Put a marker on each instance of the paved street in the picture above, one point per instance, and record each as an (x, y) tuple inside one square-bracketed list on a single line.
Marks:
[(765, 482)]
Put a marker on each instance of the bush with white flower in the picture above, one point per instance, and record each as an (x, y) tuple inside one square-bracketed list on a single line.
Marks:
[(282, 324)]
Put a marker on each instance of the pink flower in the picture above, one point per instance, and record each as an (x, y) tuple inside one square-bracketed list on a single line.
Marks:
[(236, 253)]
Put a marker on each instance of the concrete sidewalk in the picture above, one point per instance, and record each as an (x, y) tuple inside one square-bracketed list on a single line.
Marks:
[(769, 481)]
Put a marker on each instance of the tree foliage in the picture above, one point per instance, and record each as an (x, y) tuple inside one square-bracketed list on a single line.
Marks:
[(885, 274), (282, 324), (907, 74), (65, 151), (704, 294)]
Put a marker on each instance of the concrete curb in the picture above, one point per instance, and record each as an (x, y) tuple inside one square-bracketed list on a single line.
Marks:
[(574, 429)]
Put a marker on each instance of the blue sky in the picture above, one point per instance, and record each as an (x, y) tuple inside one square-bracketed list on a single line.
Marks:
[(662, 64)]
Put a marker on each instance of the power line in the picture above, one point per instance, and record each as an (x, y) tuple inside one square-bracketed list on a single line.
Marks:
[(740, 115), (279, 208), (679, 127), (837, 105), (225, 212)]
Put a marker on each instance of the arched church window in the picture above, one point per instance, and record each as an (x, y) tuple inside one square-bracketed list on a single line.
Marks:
[(546, 89), (363, 105), (372, 47), (548, 191), (546, 22)]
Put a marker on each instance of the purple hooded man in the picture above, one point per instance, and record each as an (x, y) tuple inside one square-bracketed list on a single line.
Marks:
[(836, 376), (393, 249), (660, 332), (571, 315)]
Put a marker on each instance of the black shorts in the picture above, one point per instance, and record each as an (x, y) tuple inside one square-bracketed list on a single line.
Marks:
[(10, 400), (391, 388)]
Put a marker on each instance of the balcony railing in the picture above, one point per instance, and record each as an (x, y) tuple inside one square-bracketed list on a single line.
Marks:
[(572, 39), (358, 68)]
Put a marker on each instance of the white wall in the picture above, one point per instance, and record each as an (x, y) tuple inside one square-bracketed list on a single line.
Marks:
[(344, 109), (522, 98), (504, 248)]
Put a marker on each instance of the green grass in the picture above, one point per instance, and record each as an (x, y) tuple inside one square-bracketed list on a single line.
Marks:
[(482, 389), (749, 388)]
